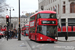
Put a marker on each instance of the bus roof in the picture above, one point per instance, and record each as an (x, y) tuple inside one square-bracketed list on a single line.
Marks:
[(44, 11)]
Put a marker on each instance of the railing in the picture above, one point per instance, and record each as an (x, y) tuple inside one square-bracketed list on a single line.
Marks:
[(69, 28)]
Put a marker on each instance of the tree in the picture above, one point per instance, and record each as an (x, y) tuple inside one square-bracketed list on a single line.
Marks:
[(3, 7)]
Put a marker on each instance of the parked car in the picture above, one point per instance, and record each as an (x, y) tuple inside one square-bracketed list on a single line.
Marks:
[(1, 34)]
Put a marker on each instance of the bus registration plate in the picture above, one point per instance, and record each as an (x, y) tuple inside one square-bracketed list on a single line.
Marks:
[(48, 39)]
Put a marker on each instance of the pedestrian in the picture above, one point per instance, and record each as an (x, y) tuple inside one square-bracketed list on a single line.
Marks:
[(12, 32), (15, 31), (24, 33), (6, 34)]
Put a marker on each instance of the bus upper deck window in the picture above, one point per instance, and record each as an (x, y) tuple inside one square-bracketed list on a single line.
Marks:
[(53, 15)]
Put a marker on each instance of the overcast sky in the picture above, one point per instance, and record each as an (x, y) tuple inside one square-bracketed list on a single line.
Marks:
[(26, 6)]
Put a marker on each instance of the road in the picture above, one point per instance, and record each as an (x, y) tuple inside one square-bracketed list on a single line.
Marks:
[(51, 46), (45, 45)]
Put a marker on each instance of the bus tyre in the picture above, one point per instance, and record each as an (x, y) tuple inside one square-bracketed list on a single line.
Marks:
[(30, 38), (0, 37)]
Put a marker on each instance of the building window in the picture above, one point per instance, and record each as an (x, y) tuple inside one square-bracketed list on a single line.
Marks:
[(55, 8), (64, 2), (58, 8), (63, 22), (51, 1), (72, 7), (63, 9), (51, 8)]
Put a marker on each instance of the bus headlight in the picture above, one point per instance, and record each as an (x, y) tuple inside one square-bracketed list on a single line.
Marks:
[(40, 37), (56, 38)]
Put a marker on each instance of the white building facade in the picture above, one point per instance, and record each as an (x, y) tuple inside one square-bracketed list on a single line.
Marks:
[(65, 10)]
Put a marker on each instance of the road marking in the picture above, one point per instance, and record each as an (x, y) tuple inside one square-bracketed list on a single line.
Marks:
[(46, 44), (37, 45), (22, 43), (33, 46), (65, 47), (42, 44), (28, 46)]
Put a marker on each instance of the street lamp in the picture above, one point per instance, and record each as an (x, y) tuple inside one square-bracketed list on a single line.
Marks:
[(10, 16), (19, 35)]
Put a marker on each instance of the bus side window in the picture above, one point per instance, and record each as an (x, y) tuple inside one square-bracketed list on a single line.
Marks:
[(52, 15), (37, 16), (37, 29)]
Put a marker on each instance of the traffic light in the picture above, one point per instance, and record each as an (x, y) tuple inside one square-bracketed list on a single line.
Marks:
[(7, 20)]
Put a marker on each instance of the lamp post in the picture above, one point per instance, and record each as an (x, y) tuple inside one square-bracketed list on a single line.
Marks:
[(10, 16), (19, 35)]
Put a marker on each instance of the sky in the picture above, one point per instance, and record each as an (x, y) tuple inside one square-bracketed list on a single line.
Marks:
[(26, 6)]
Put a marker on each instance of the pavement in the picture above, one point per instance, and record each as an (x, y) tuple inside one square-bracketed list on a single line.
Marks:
[(14, 44)]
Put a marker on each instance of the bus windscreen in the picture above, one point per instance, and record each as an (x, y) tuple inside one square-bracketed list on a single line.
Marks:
[(26, 26), (47, 30), (46, 15)]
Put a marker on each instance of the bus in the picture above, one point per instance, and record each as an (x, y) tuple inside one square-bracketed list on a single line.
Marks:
[(22, 32), (43, 26), (25, 30)]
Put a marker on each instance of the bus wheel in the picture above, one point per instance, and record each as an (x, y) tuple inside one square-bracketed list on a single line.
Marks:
[(30, 38), (0, 37)]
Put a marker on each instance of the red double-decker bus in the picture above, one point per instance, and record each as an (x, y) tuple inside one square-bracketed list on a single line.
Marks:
[(25, 30), (43, 26)]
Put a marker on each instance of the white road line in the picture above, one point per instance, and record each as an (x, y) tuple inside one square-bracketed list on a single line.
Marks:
[(33, 46), (22, 43), (37, 45), (46, 44), (42, 44)]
